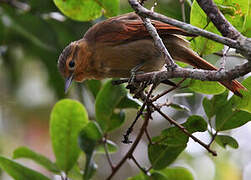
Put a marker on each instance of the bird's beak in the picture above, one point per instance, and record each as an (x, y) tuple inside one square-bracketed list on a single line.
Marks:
[(68, 82)]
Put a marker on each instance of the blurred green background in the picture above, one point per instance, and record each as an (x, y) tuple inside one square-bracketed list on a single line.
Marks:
[(33, 33)]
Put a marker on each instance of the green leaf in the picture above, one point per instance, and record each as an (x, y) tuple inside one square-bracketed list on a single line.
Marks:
[(166, 147), (80, 10), (213, 105), (89, 138), (140, 176), (200, 44), (157, 175), (247, 27), (75, 173), (227, 115), (68, 117), (236, 12), (42, 6), (179, 107), (88, 9), (29, 26), (111, 147), (117, 119), (24, 152), (224, 140), (244, 103), (108, 99), (127, 102), (227, 118), (170, 173), (161, 156), (208, 108), (94, 86), (111, 7), (181, 64), (172, 141), (171, 9), (20, 172), (206, 87), (177, 173), (195, 124), (90, 167)]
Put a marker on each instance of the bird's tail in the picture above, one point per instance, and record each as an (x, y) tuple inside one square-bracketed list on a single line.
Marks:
[(183, 53)]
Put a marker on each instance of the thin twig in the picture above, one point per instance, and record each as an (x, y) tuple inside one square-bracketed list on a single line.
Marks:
[(142, 2), (204, 75), (169, 90), (202, 28), (148, 136), (130, 129), (134, 145), (138, 165), (243, 46), (229, 55), (107, 153), (158, 42), (182, 3), (224, 56), (208, 75), (184, 130), (154, 5), (213, 138), (218, 19), (149, 168)]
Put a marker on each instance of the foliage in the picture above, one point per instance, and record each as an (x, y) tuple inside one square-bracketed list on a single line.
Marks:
[(73, 133), (89, 9), (237, 13)]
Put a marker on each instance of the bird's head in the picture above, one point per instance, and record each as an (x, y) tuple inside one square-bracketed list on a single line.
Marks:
[(70, 62)]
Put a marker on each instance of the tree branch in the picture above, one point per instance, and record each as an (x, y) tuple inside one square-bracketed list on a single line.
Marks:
[(243, 45), (158, 42), (218, 19), (134, 145), (204, 75), (184, 130)]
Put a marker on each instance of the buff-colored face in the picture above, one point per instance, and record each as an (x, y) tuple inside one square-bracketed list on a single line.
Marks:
[(67, 63), (71, 62)]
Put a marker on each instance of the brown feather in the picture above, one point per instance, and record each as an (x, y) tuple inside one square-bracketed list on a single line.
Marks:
[(115, 46)]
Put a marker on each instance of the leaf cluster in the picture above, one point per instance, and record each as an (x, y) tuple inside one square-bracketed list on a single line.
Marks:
[(74, 135)]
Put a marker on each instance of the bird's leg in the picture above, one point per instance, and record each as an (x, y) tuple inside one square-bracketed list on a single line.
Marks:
[(132, 85), (134, 72)]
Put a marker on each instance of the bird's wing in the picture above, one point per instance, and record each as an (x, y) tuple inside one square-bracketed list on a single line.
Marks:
[(127, 28)]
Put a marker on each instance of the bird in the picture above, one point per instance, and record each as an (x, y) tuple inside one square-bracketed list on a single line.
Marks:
[(116, 46)]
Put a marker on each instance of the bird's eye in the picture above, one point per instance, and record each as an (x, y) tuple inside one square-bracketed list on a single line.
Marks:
[(71, 64)]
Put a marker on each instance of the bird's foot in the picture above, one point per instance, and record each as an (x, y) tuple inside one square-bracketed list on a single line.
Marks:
[(132, 84), (171, 67)]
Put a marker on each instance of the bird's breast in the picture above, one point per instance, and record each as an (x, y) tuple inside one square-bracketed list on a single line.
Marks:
[(118, 60)]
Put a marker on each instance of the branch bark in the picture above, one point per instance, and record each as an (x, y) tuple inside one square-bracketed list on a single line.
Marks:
[(158, 42), (204, 75), (218, 19), (243, 44)]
